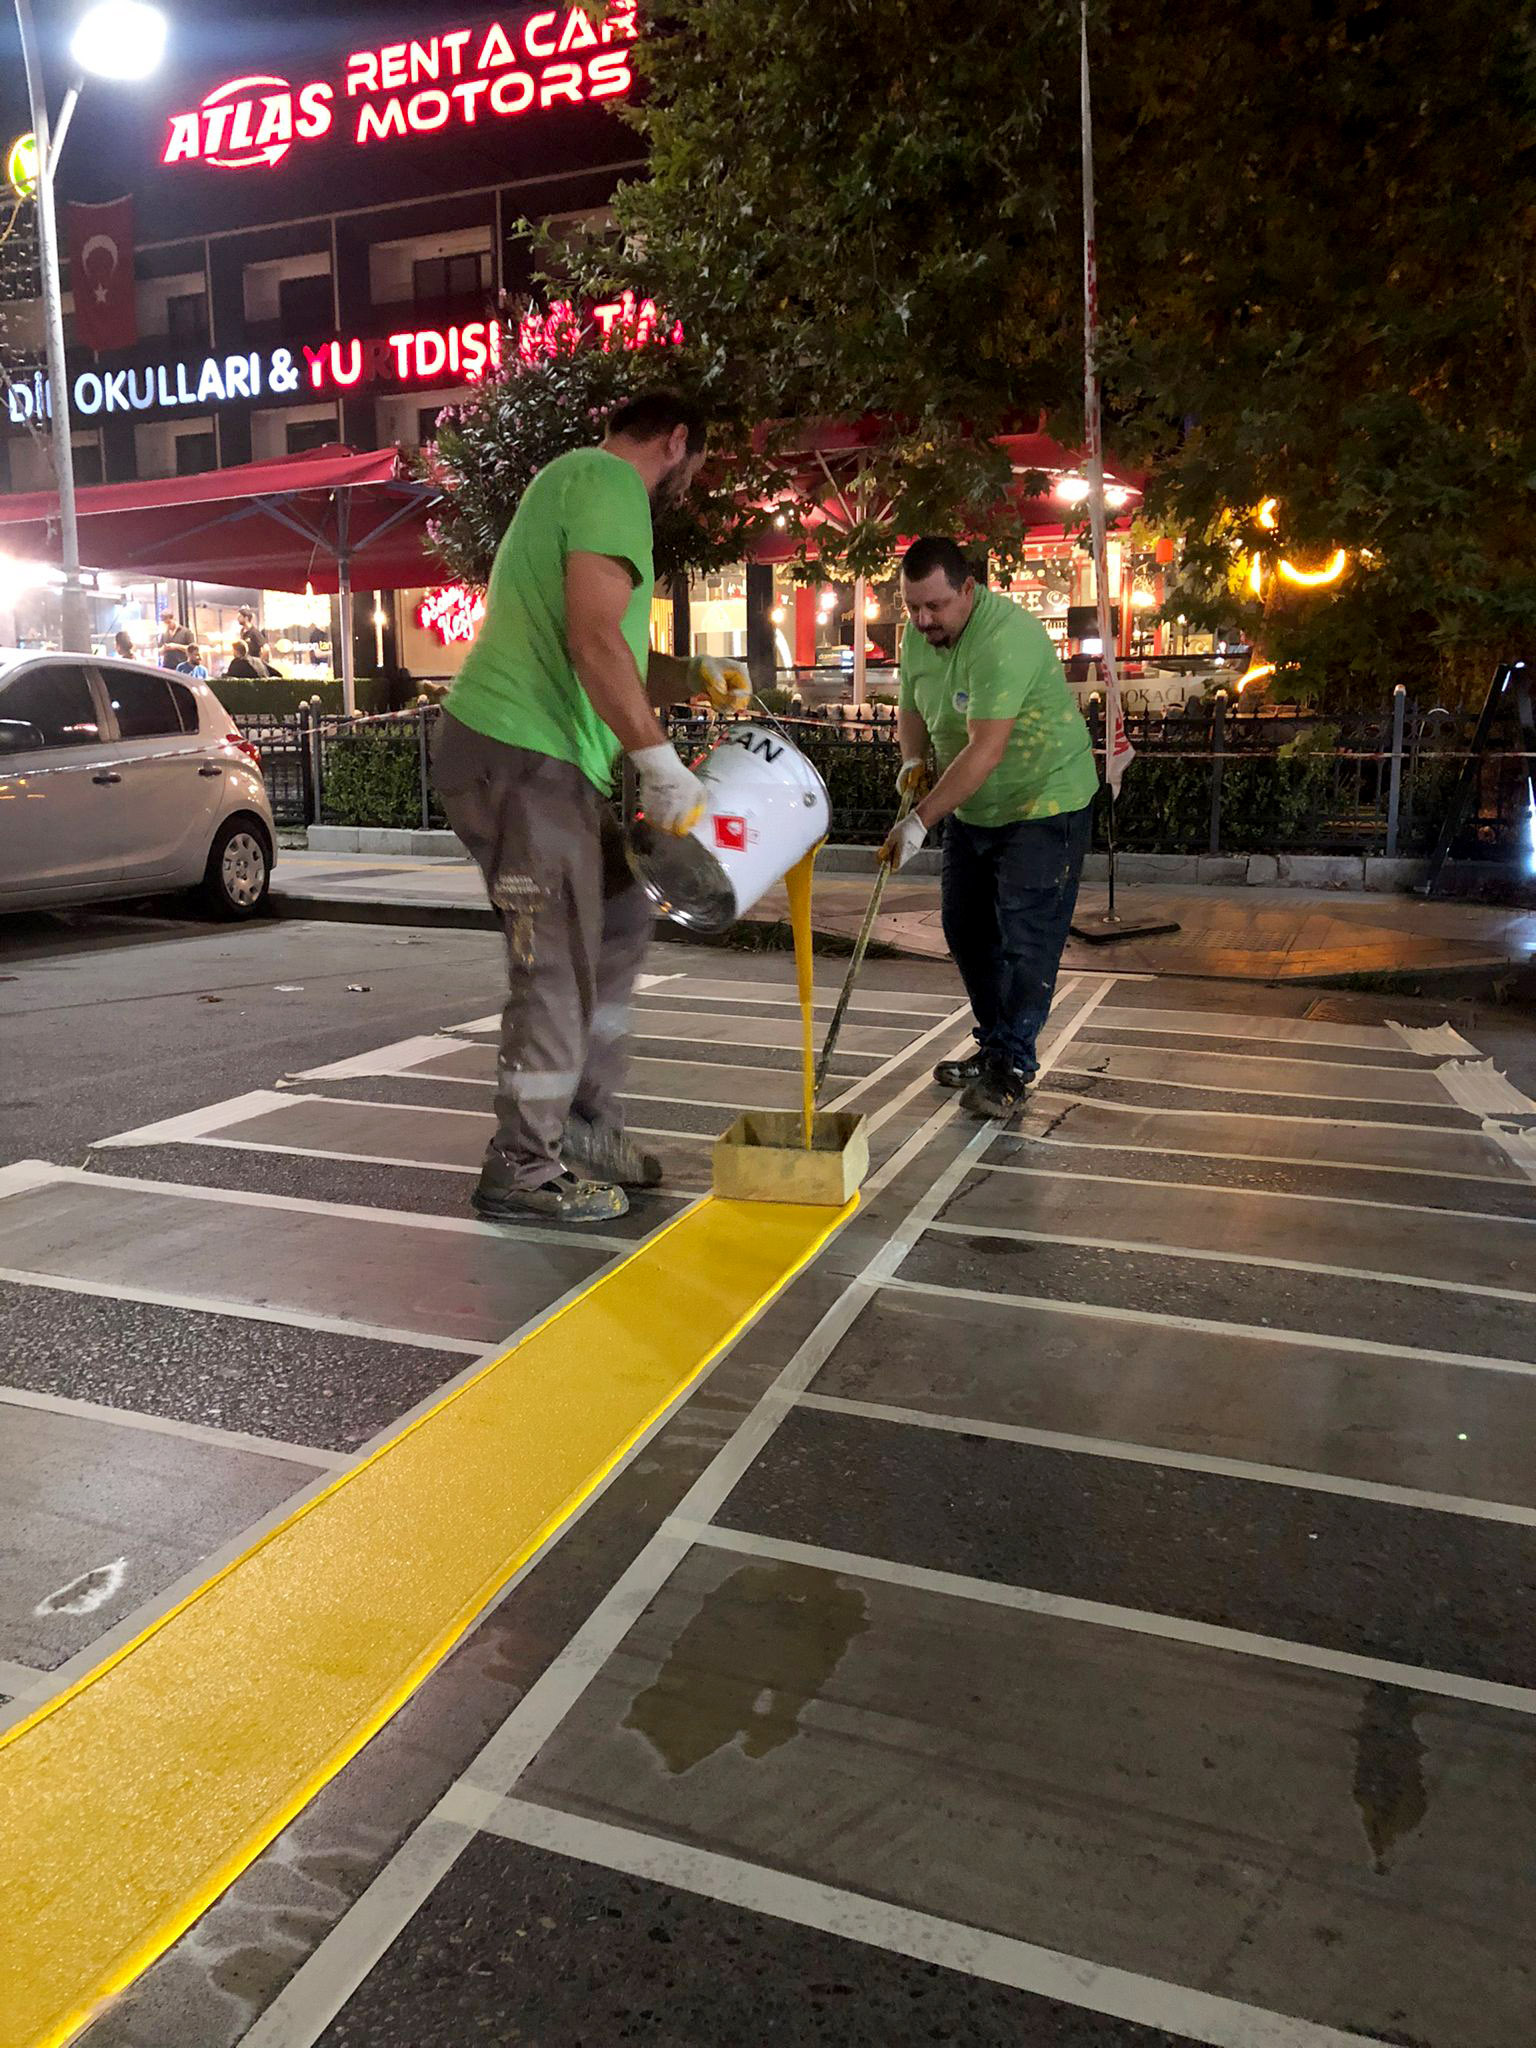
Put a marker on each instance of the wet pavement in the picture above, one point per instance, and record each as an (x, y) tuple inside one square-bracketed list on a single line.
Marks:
[(1096, 1603)]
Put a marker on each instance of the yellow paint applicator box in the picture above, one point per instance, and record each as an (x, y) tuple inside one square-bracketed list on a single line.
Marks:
[(763, 1158)]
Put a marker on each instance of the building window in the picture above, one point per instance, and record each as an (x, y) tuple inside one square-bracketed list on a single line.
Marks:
[(426, 425), (450, 277), (195, 453), (186, 317), (305, 305), (306, 434)]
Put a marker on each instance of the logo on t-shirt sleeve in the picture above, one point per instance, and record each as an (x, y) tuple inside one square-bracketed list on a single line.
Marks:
[(961, 700)]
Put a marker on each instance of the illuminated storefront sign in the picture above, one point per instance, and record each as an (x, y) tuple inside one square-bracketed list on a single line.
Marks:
[(627, 322), (21, 166), (422, 87), (416, 356), (451, 614)]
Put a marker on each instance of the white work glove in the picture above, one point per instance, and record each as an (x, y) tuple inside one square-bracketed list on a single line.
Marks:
[(914, 778), (725, 683), (903, 841), (671, 798)]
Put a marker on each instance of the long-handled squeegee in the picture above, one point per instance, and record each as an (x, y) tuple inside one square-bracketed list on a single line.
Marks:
[(861, 947)]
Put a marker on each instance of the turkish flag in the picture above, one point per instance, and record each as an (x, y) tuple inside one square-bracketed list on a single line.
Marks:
[(101, 274)]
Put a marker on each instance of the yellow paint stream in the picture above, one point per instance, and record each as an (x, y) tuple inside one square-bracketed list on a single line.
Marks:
[(798, 884), (130, 1802)]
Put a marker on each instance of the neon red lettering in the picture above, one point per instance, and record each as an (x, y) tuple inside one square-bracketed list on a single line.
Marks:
[(401, 344), (392, 71), (578, 33), (429, 110), (608, 75), (512, 82), (215, 124), (276, 120), (184, 139), (454, 45), (431, 352), (362, 72), (373, 126), (495, 51), (426, 60), (315, 358), (315, 116), (561, 82), (536, 41), (467, 95), (354, 370)]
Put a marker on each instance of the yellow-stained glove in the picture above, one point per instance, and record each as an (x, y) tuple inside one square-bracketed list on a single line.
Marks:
[(671, 798), (914, 780), (723, 680)]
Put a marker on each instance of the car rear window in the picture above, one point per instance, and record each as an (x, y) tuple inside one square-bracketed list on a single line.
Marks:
[(186, 705), (144, 704)]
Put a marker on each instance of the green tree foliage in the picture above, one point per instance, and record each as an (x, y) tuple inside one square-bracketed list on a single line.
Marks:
[(1318, 255), (489, 449)]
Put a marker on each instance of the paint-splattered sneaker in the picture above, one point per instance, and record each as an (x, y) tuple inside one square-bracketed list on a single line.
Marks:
[(608, 1155), (963, 1073), (1000, 1093), (565, 1199)]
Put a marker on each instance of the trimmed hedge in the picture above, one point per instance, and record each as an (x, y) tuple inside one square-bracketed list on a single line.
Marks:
[(373, 777)]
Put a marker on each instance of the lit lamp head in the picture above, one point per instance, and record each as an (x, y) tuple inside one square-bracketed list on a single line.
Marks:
[(119, 40)]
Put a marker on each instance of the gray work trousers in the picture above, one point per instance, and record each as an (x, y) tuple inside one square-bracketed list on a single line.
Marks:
[(576, 925)]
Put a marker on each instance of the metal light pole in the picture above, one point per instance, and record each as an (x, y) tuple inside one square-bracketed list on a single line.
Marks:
[(77, 619), (119, 39)]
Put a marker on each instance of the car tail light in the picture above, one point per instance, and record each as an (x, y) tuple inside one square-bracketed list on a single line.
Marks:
[(247, 747)]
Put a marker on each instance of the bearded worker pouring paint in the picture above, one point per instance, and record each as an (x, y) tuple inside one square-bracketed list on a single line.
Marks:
[(559, 682), (983, 691)]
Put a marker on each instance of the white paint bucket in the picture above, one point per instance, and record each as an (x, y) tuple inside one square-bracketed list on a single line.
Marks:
[(765, 808)]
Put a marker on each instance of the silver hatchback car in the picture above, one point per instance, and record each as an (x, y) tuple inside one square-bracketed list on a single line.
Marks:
[(120, 780)]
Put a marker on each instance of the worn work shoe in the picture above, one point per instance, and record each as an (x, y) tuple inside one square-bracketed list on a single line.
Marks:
[(608, 1155), (964, 1073), (565, 1199), (999, 1094)]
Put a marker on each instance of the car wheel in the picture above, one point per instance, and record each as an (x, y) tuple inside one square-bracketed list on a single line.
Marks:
[(239, 870)]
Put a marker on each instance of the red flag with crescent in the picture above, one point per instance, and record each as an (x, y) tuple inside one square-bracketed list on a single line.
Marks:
[(101, 274)]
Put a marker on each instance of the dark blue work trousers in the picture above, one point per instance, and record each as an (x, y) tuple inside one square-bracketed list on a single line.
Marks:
[(1008, 896)]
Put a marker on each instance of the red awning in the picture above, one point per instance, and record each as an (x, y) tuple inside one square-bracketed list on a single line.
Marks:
[(267, 525)]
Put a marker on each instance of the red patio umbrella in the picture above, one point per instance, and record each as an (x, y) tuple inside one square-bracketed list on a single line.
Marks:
[(326, 520)]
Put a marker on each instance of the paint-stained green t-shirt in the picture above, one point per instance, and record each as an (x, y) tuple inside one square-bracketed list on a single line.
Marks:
[(1003, 666), (517, 683)]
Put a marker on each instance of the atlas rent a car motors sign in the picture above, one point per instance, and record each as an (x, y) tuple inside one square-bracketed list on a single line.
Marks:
[(454, 79)]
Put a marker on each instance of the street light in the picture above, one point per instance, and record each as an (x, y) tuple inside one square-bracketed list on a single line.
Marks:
[(122, 40)]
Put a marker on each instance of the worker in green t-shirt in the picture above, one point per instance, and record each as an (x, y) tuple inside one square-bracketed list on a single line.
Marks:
[(983, 692), (559, 682)]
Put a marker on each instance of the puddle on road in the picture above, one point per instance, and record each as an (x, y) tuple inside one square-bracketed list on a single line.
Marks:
[(760, 1648), (1389, 1770)]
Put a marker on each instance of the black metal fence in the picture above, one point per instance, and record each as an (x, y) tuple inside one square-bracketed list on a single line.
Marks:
[(1207, 779)]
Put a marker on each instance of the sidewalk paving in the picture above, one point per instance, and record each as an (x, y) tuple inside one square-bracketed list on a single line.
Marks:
[(1240, 933)]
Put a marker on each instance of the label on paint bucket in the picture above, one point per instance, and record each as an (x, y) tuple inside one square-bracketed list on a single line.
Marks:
[(731, 834)]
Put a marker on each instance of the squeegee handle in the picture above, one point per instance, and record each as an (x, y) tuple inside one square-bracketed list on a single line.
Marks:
[(861, 947)]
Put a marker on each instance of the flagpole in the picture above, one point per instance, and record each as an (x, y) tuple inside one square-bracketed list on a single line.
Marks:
[(1117, 748)]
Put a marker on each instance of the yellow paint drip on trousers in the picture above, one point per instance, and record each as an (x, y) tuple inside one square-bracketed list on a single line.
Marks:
[(798, 883), (130, 1803)]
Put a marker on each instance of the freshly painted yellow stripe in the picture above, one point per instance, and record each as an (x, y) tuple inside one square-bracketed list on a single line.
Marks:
[(128, 1804)]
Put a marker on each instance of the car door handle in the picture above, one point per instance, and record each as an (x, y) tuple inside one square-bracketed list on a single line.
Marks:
[(107, 775), (209, 768)]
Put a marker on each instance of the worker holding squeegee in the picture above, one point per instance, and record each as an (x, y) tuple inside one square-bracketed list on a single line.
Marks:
[(559, 682), (981, 688)]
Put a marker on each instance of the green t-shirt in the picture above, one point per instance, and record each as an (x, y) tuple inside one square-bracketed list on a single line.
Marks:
[(517, 683), (1003, 666)]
